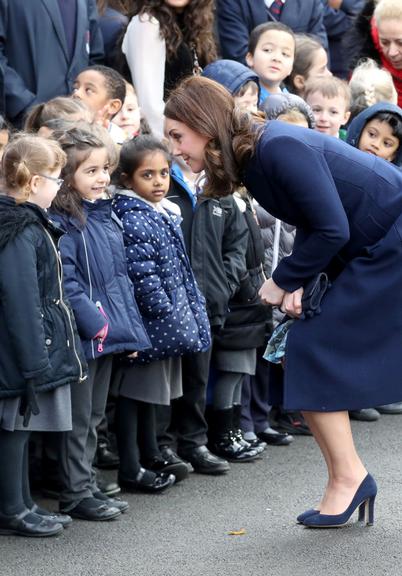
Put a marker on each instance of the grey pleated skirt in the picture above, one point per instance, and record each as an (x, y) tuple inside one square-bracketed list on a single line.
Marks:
[(156, 383), (239, 361), (54, 412)]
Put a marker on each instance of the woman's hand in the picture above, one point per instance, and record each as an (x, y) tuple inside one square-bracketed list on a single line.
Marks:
[(270, 293), (292, 304)]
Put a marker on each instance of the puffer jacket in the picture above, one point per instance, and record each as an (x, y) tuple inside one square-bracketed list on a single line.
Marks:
[(40, 348), (172, 307), (97, 283)]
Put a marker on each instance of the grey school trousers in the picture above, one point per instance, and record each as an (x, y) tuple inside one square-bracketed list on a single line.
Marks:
[(78, 446)]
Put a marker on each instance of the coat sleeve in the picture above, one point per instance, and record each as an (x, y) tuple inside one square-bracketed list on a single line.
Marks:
[(17, 95), (316, 24), (96, 49), (87, 316), (234, 246), (20, 300), (142, 266), (303, 177), (233, 30)]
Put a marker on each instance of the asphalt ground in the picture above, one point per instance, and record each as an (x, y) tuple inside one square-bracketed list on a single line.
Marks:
[(185, 531)]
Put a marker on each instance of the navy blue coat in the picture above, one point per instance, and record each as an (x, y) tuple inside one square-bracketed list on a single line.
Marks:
[(172, 307), (95, 276), (237, 18), (344, 203), (34, 53)]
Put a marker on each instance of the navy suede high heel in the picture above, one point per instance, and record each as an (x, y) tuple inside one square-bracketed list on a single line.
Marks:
[(301, 517), (363, 500)]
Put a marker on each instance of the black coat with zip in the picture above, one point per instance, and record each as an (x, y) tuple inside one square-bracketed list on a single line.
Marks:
[(40, 348), (245, 324)]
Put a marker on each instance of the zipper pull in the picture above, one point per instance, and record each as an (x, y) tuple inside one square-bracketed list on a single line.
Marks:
[(100, 345)]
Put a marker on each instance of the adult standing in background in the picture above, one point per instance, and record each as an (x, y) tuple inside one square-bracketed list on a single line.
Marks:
[(44, 45), (237, 18), (377, 34), (165, 41)]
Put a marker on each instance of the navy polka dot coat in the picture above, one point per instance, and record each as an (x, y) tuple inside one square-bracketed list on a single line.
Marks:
[(172, 307)]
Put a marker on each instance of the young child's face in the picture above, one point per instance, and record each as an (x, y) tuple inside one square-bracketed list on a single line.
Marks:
[(273, 58), (90, 87), (329, 113), (377, 138), (151, 179), (92, 177), (249, 100), (44, 188), (129, 117), (319, 68)]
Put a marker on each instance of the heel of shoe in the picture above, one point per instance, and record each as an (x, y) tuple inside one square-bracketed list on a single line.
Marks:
[(366, 511)]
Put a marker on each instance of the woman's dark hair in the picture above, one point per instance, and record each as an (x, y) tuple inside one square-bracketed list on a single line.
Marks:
[(208, 109), (77, 143), (259, 30), (134, 151), (196, 27), (394, 121)]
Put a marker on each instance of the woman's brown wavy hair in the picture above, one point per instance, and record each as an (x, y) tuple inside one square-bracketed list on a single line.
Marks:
[(209, 109), (197, 30)]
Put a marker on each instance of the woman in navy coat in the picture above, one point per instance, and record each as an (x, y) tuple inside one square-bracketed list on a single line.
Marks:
[(343, 203)]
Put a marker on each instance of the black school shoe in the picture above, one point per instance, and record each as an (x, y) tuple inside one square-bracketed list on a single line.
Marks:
[(28, 524), (204, 462), (293, 423), (148, 481), (105, 459), (90, 509), (54, 517), (275, 438), (159, 464), (170, 456), (118, 503)]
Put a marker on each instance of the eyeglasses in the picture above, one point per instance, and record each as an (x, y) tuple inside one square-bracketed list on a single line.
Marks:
[(59, 181)]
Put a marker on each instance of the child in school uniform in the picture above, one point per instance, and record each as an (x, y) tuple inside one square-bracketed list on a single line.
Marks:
[(103, 90), (172, 308), (105, 309), (41, 354)]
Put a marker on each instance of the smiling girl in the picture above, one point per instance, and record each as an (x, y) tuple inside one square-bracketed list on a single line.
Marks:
[(105, 309)]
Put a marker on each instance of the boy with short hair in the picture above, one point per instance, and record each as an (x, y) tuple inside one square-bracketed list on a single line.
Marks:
[(271, 53), (103, 90), (329, 99)]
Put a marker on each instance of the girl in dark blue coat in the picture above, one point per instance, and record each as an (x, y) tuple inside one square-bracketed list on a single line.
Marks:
[(343, 203), (172, 307), (105, 309)]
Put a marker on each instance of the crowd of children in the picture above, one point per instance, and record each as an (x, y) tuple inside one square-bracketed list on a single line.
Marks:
[(129, 284)]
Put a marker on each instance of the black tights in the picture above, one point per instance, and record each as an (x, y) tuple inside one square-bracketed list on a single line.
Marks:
[(15, 494), (135, 433)]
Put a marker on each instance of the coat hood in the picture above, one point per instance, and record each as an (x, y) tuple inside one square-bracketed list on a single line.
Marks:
[(15, 217), (232, 75), (359, 122)]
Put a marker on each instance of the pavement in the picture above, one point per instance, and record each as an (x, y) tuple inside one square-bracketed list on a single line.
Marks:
[(185, 531)]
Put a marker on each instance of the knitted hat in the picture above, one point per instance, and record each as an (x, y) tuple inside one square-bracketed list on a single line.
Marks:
[(277, 104)]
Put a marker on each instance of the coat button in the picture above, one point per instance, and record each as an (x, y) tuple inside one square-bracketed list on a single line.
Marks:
[(48, 341)]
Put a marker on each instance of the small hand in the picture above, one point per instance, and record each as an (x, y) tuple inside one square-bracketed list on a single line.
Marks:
[(270, 293), (132, 355), (292, 304), (335, 4)]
